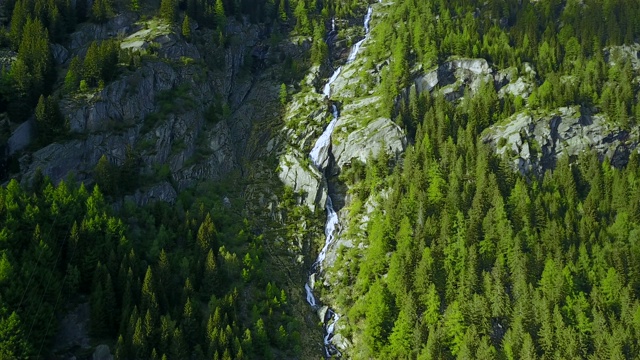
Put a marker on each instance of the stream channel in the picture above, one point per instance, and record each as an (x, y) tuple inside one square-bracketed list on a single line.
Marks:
[(324, 142)]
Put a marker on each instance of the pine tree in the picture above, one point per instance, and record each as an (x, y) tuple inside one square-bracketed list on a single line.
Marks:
[(48, 118), (207, 235), (210, 280), (319, 48), (110, 305), (129, 170), (378, 317), (149, 299), (282, 11), (189, 324), (303, 26), (283, 94), (168, 10), (34, 51), (74, 75), (186, 28), (98, 311), (179, 349), (139, 342), (91, 68), (18, 20), (121, 352), (41, 112), (101, 10), (220, 16), (13, 342), (104, 175)]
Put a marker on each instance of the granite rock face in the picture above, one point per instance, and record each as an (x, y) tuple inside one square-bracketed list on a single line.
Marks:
[(304, 178), (161, 109), (455, 76), (534, 142)]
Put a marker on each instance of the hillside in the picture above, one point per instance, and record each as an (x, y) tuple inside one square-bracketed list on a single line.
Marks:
[(450, 180)]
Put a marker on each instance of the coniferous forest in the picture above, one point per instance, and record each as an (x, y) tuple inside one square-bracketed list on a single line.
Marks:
[(462, 256), (467, 259)]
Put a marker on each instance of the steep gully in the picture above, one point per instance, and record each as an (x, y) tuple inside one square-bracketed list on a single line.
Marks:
[(330, 317)]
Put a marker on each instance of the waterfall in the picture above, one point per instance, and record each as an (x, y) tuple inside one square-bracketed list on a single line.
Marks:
[(327, 87), (356, 48), (324, 142)]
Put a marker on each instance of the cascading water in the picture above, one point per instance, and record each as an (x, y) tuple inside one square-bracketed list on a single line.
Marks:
[(356, 47), (327, 87), (323, 142)]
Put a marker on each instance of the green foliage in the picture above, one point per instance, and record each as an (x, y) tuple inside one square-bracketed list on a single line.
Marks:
[(73, 77), (491, 253), (303, 25), (168, 10), (464, 259), (134, 5), (100, 63), (49, 120), (283, 10), (186, 28), (319, 48), (114, 261), (283, 94), (13, 343), (102, 10), (220, 15)]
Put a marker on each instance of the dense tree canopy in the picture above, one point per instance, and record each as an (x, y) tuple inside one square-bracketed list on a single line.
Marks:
[(169, 286)]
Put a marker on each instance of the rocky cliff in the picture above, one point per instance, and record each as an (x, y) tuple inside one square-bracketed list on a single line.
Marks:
[(533, 141), (190, 107)]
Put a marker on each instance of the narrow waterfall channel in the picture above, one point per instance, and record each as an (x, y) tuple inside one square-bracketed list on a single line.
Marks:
[(324, 142)]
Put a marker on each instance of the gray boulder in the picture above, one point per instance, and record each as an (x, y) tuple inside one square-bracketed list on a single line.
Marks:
[(60, 54), (22, 136), (304, 178), (102, 352), (74, 330)]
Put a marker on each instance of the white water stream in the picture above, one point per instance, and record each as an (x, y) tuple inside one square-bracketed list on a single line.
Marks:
[(327, 87), (324, 142), (356, 48)]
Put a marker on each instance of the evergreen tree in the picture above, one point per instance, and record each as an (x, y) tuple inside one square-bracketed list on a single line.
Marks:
[(91, 68), (49, 119), (303, 26), (74, 75), (283, 94), (18, 21), (13, 342), (220, 16), (34, 52), (104, 175), (149, 300), (186, 28), (101, 10), (134, 5), (207, 235), (319, 48), (210, 282), (282, 11), (168, 10)]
